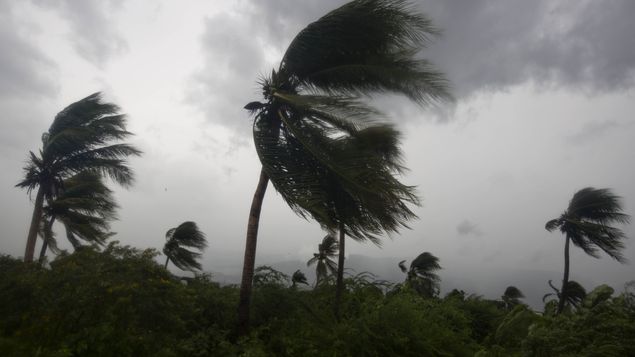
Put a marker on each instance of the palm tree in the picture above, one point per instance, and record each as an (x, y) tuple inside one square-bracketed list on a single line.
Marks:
[(186, 235), (79, 139), (421, 275), (298, 278), (587, 223), (574, 295), (512, 296), (85, 206), (325, 265), (311, 110)]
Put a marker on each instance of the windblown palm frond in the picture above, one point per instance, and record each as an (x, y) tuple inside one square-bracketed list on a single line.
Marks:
[(178, 239)]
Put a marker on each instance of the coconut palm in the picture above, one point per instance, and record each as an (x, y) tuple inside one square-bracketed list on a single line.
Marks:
[(587, 224), (81, 138), (311, 110), (421, 275), (573, 296), (511, 297), (298, 278), (85, 206), (325, 265), (178, 239)]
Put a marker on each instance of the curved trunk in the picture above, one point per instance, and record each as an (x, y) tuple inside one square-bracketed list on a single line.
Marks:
[(565, 279), (31, 238), (250, 255), (48, 235), (340, 273), (167, 260)]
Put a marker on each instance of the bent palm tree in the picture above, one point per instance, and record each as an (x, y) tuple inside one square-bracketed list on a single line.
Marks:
[(78, 140), (574, 295), (186, 235), (325, 265), (85, 206), (586, 223), (298, 278), (422, 275), (302, 131), (511, 297)]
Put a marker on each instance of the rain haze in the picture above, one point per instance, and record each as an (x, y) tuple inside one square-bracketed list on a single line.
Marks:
[(545, 96)]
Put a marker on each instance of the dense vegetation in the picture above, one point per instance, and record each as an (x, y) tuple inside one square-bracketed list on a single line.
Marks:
[(324, 151), (121, 302)]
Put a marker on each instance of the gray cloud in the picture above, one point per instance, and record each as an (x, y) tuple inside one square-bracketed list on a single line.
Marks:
[(468, 228), (232, 56), (494, 45), (24, 69), (594, 131), (94, 36)]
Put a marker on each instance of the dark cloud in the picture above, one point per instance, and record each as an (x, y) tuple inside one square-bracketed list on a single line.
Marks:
[(94, 35), (468, 228), (233, 58), (493, 45), (24, 68)]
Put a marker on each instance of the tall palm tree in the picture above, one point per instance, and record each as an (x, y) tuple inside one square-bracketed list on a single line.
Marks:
[(80, 138), (178, 239), (311, 109), (85, 206), (325, 265), (421, 275), (587, 223), (511, 297)]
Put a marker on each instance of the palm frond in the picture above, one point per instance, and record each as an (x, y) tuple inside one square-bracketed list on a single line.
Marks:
[(366, 46)]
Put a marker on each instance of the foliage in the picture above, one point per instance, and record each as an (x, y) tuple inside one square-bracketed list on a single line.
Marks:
[(120, 302)]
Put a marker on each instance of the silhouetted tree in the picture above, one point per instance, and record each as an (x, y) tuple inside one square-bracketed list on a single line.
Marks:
[(298, 277), (186, 235), (80, 139), (85, 206), (587, 223), (325, 265), (511, 297), (421, 275), (311, 110)]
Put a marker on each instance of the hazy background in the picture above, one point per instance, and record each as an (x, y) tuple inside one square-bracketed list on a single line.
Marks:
[(545, 101)]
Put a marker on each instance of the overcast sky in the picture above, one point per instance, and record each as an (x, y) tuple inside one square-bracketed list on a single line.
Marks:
[(545, 102)]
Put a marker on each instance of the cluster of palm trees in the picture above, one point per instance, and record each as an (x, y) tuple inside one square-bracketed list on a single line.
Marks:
[(320, 142)]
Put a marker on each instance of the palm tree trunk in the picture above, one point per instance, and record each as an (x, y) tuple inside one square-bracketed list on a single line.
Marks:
[(47, 237), (340, 273), (565, 279), (167, 260), (31, 238), (250, 254)]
